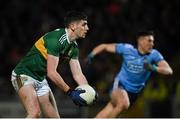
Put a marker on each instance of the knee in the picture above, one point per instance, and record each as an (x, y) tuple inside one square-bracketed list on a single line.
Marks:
[(123, 105), (34, 114)]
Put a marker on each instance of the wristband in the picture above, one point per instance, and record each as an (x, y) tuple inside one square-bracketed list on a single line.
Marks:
[(154, 68), (91, 55), (68, 92)]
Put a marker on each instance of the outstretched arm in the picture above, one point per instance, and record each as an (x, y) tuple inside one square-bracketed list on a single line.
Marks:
[(100, 48), (104, 47)]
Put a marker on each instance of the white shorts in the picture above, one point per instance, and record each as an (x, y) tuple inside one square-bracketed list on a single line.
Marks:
[(41, 88)]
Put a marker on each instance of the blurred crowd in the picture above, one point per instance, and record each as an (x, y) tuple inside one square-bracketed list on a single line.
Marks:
[(24, 21)]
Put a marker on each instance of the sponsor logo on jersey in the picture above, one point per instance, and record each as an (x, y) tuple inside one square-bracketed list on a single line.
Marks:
[(135, 66)]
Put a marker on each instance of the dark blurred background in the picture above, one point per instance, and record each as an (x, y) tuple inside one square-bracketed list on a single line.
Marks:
[(24, 21)]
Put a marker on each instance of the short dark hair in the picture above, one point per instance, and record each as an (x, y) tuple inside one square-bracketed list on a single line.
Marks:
[(73, 16), (144, 33)]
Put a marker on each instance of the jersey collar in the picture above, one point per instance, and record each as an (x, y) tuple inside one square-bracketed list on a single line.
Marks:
[(67, 36), (142, 54)]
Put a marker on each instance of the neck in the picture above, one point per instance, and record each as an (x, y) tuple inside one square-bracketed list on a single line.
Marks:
[(71, 35), (141, 51)]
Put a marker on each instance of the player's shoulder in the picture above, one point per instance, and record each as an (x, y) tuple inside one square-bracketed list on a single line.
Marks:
[(126, 45), (156, 55), (56, 31), (59, 31), (154, 51), (55, 34)]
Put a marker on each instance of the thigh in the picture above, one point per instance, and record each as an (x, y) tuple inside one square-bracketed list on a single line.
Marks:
[(29, 98), (24, 86), (131, 96), (46, 99), (120, 96), (48, 105), (118, 92)]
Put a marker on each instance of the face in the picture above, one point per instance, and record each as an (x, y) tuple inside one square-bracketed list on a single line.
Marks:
[(145, 44), (80, 28)]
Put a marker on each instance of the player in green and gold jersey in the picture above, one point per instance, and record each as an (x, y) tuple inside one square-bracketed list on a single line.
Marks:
[(29, 76)]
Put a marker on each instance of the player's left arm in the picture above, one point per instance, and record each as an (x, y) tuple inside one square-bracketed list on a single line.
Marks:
[(164, 68), (77, 72)]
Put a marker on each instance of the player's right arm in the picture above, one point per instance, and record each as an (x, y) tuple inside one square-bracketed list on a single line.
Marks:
[(111, 48), (104, 47), (53, 50), (52, 63)]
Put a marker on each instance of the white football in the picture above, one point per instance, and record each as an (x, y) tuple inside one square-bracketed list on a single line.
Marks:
[(90, 95)]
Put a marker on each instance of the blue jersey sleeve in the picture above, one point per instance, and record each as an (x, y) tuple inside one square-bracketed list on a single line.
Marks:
[(157, 56), (121, 47)]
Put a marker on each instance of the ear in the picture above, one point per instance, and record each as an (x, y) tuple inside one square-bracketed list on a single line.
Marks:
[(72, 26)]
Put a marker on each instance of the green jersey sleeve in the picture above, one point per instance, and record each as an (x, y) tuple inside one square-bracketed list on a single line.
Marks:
[(52, 44), (75, 52)]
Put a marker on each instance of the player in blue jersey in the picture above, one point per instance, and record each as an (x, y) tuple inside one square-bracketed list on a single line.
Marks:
[(137, 66)]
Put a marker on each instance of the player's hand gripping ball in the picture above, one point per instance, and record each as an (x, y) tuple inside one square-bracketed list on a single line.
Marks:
[(90, 94)]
